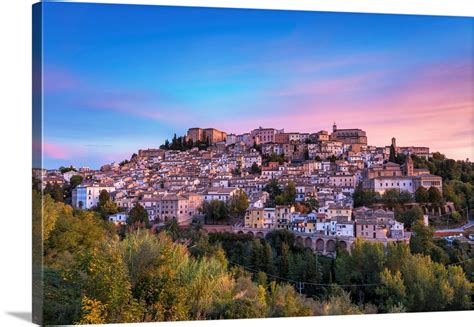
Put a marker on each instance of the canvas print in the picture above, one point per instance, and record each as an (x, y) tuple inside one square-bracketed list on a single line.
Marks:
[(203, 163)]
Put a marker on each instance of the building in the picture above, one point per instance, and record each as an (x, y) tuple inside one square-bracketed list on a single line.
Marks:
[(173, 206), (342, 180), (220, 193), (283, 216), (264, 135), (377, 225), (380, 178), (349, 136), (336, 210), (119, 218), (151, 153), (260, 218), (86, 196), (210, 135)]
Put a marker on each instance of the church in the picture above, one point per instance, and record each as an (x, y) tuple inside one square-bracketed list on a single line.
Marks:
[(401, 177), (354, 137)]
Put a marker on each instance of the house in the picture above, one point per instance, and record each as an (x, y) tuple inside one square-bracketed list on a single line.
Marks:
[(377, 225), (86, 196), (220, 193), (119, 218)]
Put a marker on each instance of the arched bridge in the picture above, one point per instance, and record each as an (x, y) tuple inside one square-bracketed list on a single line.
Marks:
[(323, 244)]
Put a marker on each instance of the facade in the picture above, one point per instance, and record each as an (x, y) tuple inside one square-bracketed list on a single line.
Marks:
[(264, 135), (87, 196), (261, 218), (342, 180), (405, 178), (349, 136), (119, 218), (211, 135), (151, 153), (377, 225), (220, 193)]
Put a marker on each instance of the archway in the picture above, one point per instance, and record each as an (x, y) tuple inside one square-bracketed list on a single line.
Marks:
[(308, 242), (342, 245), (299, 240), (330, 246), (320, 245), (240, 232), (250, 233), (260, 235)]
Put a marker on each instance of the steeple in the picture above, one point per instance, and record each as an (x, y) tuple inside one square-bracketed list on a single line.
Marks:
[(334, 127)]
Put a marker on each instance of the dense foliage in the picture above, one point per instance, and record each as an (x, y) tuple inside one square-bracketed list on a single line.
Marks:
[(91, 275)]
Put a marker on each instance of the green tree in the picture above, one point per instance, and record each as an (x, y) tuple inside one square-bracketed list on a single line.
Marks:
[(255, 169), (434, 195), (405, 197), (106, 206), (421, 195), (456, 217), (422, 238), (426, 283), (284, 261), (391, 198), (215, 211), (393, 291), (55, 191), (410, 216), (463, 289), (75, 181), (362, 266), (139, 215), (284, 302), (238, 204), (393, 154), (363, 197), (108, 284)]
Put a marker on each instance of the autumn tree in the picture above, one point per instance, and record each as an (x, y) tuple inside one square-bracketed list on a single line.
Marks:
[(238, 204)]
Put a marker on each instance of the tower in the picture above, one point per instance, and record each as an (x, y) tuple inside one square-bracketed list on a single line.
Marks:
[(409, 166), (394, 143), (334, 127)]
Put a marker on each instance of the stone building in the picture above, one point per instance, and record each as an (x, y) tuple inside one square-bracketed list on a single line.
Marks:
[(349, 136), (206, 134)]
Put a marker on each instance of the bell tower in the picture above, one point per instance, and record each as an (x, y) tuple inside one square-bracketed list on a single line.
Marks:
[(409, 166), (334, 127)]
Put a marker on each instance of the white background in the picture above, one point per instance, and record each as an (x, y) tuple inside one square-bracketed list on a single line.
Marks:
[(15, 152)]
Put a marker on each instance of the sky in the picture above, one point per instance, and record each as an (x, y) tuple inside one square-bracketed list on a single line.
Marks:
[(117, 78)]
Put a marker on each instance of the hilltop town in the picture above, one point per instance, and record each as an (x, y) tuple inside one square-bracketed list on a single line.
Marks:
[(302, 182)]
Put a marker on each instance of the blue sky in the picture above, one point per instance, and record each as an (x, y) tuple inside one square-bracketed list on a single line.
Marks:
[(122, 77)]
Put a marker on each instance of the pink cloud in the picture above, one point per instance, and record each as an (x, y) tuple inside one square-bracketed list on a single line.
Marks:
[(56, 151), (431, 106)]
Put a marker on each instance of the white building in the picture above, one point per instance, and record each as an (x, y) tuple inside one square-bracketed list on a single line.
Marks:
[(87, 196), (220, 193), (118, 218), (384, 183)]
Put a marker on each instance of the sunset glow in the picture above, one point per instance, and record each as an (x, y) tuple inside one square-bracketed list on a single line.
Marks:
[(120, 78)]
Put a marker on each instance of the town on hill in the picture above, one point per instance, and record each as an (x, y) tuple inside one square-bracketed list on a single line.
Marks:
[(327, 188)]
